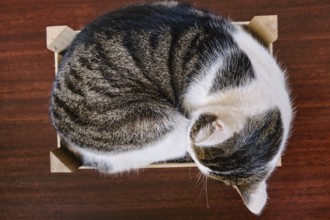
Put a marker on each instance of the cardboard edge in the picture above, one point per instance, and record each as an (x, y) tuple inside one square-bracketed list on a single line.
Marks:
[(62, 162), (58, 38), (265, 28)]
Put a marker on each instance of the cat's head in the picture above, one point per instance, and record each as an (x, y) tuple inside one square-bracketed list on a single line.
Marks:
[(239, 151)]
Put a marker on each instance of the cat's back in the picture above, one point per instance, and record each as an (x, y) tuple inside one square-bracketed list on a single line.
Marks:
[(129, 66), (148, 51), (152, 48)]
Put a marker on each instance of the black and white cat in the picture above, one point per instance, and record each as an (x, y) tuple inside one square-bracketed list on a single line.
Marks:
[(153, 82)]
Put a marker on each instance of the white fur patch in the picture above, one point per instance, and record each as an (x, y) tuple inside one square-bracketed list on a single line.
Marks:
[(272, 77), (171, 146), (198, 91), (255, 199), (258, 199), (269, 73)]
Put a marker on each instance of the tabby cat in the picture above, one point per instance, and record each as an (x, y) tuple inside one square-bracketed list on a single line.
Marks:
[(154, 82)]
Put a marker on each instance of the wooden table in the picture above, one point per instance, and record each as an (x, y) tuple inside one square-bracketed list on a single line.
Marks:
[(300, 189)]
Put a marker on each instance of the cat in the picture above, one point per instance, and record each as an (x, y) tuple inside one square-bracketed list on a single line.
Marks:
[(154, 82)]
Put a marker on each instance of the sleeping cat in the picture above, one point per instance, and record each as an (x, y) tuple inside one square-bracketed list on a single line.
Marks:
[(153, 82)]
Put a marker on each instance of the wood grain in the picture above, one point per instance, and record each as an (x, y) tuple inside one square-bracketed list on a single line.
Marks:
[(300, 189)]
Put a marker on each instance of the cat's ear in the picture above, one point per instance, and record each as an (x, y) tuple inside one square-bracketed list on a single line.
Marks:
[(254, 196), (213, 134)]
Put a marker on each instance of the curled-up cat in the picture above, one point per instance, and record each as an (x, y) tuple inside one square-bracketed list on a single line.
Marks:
[(153, 82)]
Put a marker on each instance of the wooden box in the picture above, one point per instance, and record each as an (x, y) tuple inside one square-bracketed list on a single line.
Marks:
[(264, 28)]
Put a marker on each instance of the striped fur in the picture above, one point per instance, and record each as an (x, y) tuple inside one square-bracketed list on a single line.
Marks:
[(153, 82)]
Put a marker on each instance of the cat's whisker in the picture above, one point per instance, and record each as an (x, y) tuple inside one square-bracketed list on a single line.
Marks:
[(202, 181), (199, 181), (206, 193)]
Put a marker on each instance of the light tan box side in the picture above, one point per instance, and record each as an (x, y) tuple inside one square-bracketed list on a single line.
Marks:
[(264, 28)]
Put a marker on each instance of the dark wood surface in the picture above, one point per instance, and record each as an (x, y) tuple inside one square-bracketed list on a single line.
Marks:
[(300, 189)]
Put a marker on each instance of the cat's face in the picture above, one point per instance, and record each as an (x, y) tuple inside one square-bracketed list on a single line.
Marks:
[(239, 151)]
